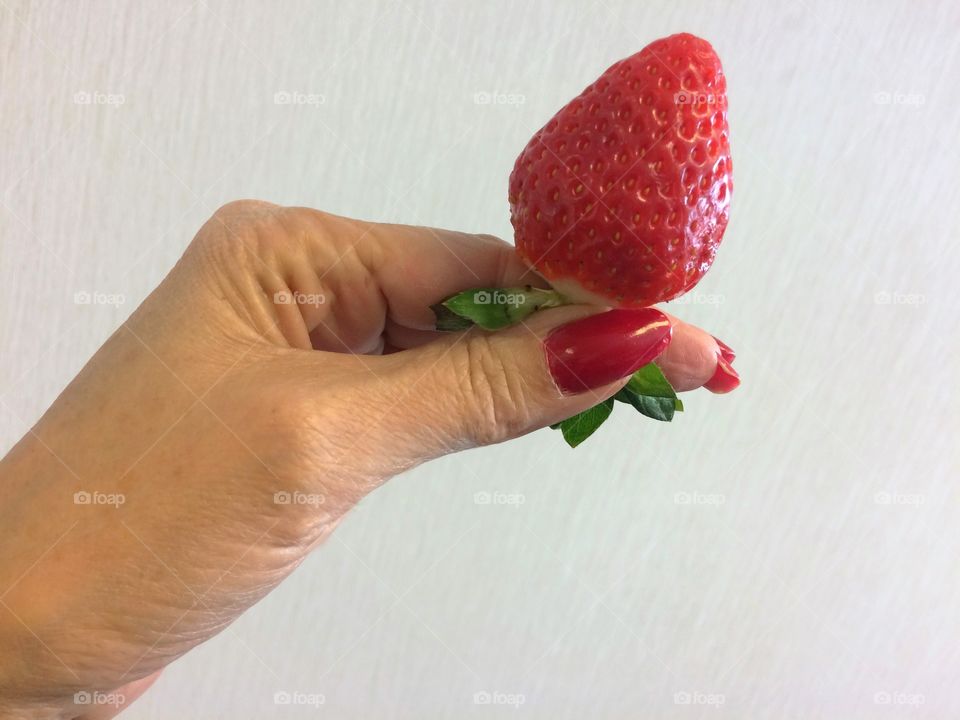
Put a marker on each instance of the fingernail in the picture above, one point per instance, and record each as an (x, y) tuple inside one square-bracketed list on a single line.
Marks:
[(724, 379), (605, 347), (728, 354)]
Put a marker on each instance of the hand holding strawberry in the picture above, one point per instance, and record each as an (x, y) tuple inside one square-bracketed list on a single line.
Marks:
[(621, 200)]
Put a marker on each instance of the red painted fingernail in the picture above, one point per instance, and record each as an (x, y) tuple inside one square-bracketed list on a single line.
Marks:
[(724, 379), (728, 354), (605, 347)]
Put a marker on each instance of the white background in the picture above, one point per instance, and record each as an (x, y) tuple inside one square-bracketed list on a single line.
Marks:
[(822, 581)]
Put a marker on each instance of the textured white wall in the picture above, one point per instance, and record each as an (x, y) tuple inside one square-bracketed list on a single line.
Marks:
[(804, 594)]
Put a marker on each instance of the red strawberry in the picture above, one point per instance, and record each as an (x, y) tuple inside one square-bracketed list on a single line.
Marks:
[(623, 197)]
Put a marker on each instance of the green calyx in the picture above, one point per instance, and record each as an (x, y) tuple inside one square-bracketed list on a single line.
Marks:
[(493, 308)]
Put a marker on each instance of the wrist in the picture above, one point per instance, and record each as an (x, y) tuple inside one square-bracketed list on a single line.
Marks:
[(36, 681)]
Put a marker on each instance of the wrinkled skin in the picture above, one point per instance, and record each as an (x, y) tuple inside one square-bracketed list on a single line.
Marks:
[(213, 397)]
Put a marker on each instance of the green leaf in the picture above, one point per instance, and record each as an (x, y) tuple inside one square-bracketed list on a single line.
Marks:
[(653, 407), (493, 308), (651, 394), (578, 428), (650, 380)]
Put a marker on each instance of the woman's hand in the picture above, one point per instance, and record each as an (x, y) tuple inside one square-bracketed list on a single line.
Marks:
[(284, 369)]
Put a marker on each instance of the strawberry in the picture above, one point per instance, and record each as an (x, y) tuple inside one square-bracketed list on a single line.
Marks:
[(623, 197)]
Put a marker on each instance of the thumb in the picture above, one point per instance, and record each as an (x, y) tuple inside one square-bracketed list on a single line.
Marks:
[(480, 388)]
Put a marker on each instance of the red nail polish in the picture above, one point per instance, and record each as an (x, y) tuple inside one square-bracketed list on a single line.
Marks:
[(724, 379), (728, 354), (605, 347)]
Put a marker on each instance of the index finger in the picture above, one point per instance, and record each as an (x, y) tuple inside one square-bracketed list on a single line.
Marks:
[(417, 267)]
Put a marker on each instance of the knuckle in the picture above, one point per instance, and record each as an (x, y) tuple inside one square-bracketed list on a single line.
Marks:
[(239, 209), (493, 393), (236, 223)]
